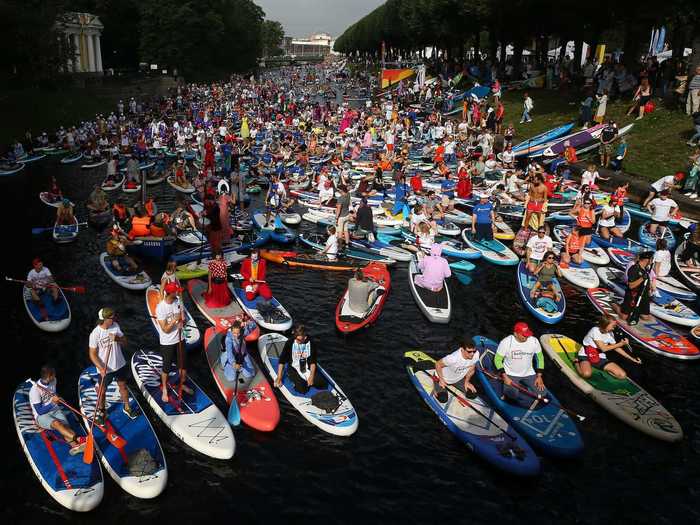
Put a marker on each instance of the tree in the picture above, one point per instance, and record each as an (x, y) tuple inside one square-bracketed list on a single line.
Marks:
[(272, 34)]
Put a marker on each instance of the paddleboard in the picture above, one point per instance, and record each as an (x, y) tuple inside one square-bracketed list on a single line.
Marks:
[(436, 306), (130, 281), (50, 316), (546, 309)]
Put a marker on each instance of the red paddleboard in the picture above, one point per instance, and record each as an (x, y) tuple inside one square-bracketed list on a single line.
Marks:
[(223, 317)]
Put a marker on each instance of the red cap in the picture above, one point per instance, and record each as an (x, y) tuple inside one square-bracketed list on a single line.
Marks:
[(523, 329), (679, 175), (172, 288)]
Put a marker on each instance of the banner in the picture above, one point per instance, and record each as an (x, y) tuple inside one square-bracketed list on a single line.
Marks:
[(393, 76)]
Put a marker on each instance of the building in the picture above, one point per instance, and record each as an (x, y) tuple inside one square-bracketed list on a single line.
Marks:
[(319, 44), (83, 32)]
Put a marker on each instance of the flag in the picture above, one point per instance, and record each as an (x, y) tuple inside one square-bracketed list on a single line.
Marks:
[(392, 76)]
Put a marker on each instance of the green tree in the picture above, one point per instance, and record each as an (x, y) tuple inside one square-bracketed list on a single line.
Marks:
[(272, 35)]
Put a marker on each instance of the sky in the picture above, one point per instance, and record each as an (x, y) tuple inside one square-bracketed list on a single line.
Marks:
[(300, 18)]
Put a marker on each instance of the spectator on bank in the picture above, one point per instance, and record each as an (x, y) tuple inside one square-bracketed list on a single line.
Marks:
[(693, 103), (527, 107)]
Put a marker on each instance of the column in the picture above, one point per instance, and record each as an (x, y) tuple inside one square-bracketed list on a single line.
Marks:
[(98, 54), (68, 40), (76, 61), (90, 53)]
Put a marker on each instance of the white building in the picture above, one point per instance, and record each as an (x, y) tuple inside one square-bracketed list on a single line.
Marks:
[(319, 44), (83, 32)]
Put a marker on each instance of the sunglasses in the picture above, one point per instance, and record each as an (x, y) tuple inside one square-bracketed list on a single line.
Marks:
[(550, 258)]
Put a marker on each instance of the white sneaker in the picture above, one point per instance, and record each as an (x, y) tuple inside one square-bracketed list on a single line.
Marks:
[(638, 118), (693, 195), (521, 122), (690, 143)]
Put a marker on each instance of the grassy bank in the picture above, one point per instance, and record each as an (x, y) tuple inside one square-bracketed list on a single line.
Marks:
[(657, 143)]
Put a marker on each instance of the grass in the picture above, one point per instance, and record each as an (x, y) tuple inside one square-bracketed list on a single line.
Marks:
[(656, 144)]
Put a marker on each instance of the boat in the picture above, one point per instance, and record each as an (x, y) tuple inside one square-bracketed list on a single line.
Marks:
[(623, 398), (328, 409), (348, 320)]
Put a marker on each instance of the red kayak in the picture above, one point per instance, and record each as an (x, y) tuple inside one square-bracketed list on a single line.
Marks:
[(256, 398), (348, 320), (222, 317)]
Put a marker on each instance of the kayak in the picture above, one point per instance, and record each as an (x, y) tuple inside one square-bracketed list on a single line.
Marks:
[(316, 241), (329, 408), (436, 306), (302, 260), (276, 317), (129, 280), (111, 186), (191, 237), (663, 305), (493, 251), (93, 164), (193, 418), (171, 181), (647, 239), (65, 233), (545, 425), (546, 136), (582, 275), (474, 422), (194, 269), (623, 398), (278, 231), (689, 272), (50, 316), (197, 288), (140, 467), (348, 320), (545, 307), (653, 334), (70, 481), (256, 399), (72, 158), (47, 199), (190, 330)]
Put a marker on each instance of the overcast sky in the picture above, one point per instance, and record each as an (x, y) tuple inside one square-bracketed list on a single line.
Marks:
[(301, 18)]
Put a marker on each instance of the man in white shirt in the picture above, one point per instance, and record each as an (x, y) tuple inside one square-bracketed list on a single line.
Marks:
[(40, 280), (662, 209), (105, 351), (455, 368), (669, 182), (513, 361), (170, 317), (330, 250), (537, 246)]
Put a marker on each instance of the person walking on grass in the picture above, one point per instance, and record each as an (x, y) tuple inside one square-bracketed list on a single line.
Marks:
[(527, 108)]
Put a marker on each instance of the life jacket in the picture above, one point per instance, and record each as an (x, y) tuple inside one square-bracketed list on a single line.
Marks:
[(157, 231), (150, 208), (120, 211), (140, 227), (586, 219), (573, 243)]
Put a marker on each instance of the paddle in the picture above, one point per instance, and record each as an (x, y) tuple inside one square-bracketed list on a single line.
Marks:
[(234, 411), (180, 356), (633, 317), (114, 438), (568, 356), (89, 453), (76, 289), (465, 403), (38, 231)]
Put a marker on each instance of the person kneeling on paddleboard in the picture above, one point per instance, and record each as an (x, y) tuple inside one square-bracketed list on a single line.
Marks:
[(105, 351), (637, 292), (47, 411), (457, 369), (234, 356), (361, 292), (300, 358), (253, 270), (598, 340), (40, 281), (513, 361), (434, 270), (171, 320)]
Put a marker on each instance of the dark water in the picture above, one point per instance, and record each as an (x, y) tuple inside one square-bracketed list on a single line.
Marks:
[(401, 465)]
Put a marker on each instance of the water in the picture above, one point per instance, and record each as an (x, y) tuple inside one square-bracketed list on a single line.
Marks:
[(402, 464)]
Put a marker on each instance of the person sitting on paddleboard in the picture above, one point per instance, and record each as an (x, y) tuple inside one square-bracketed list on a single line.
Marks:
[(55, 194), (361, 291), (457, 369), (116, 249), (364, 221), (607, 221), (691, 254), (300, 357), (572, 249), (182, 219), (64, 213), (483, 218), (253, 270), (434, 270), (599, 340), (545, 272), (536, 248), (170, 317), (513, 361), (661, 262), (47, 410), (638, 289), (97, 201), (40, 281), (234, 355), (105, 352), (140, 224)]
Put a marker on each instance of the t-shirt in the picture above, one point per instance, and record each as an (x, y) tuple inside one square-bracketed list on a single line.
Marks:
[(538, 247), (40, 398), (168, 312), (517, 356), (663, 257), (39, 278), (662, 209), (593, 335), (332, 245), (344, 203), (456, 367), (588, 178), (663, 183), (482, 212), (358, 294), (608, 210), (99, 338)]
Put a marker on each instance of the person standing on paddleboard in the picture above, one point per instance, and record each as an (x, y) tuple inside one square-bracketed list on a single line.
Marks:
[(483, 218), (300, 356), (457, 369), (105, 352), (47, 410), (170, 315), (599, 340), (662, 209), (637, 292), (537, 247), (536, 201), (513, 361)]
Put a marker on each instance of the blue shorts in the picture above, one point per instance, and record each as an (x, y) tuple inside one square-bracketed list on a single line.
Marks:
[(45, 420), (600, 365)]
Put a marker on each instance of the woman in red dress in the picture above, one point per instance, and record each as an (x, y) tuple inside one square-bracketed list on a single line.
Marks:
[(218, 294), (464, 182)]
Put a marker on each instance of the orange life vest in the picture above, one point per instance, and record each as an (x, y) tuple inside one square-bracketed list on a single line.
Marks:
[(573, 243), (586, 218), (157, 231), (120, 211), (150, 208), (140, 227)]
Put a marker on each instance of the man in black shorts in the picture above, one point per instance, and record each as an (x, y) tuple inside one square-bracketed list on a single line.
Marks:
[(637, 283)]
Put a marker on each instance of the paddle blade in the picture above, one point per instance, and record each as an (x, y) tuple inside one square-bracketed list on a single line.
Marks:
[(74, 289), (234, 413), (39, 231), (89, 453)]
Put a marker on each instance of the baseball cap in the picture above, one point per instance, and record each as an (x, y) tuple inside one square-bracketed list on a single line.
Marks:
[(521, 328), (172, 288), (646, 255), (105, 313)]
